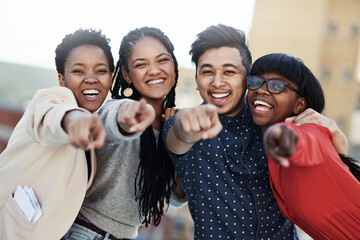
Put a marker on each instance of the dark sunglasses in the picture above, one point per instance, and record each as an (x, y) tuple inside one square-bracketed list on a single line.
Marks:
[(272, 85)]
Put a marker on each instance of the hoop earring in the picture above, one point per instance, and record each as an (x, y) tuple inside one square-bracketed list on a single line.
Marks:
[(128, 92)]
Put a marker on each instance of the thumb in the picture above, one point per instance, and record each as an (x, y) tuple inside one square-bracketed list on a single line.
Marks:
[(210, 110), (142, 106)]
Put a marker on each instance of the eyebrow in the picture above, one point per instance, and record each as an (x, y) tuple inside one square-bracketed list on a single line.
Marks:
[(82, 64), (160, 55), (224, 65)]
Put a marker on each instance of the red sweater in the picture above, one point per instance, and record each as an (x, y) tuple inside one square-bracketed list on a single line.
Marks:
[(317, 192)]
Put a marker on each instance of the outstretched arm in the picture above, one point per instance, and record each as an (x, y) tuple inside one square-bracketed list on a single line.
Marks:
[(191, 125), (340, 141)]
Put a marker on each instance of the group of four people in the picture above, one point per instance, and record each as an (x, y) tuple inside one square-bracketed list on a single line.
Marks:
[(149, 155)]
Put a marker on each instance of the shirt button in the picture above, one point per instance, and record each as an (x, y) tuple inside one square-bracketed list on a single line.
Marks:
[(244, 160), (249, 180), (258, 207), (260, 234)]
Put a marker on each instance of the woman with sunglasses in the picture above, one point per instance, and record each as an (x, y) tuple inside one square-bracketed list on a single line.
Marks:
[(313, 187)]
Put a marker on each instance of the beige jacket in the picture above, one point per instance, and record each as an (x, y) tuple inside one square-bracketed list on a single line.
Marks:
[(39, 156)]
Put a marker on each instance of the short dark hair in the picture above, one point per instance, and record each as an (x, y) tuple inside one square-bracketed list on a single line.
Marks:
[(221, 36), (294, 70), (82, 37)]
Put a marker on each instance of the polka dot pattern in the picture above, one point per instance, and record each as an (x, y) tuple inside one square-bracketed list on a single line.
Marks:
[(226, 180)]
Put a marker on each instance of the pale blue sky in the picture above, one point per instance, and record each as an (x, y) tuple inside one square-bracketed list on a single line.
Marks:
[(31, 30)]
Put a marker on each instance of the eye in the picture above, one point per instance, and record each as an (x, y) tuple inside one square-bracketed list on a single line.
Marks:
[(164, 60), (277, 85), (102, 71), (139, 65), (77, 71), (206, 72), (229, 72)]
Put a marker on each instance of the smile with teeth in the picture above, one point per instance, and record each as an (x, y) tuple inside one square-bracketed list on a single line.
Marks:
[(91, 92), (262, 106), (155, 81), (219, 95)]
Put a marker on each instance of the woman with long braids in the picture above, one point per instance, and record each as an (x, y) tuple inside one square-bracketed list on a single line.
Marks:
[(135, 178)]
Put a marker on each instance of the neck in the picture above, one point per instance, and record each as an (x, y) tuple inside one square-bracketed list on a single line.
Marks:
[(263, 129), (158, 112)]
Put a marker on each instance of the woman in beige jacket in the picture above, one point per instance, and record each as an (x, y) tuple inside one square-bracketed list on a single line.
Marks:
[(46, 149)]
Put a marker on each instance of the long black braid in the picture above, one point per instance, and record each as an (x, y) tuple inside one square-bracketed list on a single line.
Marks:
[(156, 174)]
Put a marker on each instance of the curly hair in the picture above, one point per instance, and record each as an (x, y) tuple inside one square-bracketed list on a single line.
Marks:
[(82, 37)]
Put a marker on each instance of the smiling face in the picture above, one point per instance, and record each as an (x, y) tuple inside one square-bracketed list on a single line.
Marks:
[(87, 75), (221, 79), (151, 70), (268, 108)]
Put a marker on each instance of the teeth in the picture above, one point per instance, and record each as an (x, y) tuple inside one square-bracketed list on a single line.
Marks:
[(259, 102), (155, 81), (219, 95), (90, 92)]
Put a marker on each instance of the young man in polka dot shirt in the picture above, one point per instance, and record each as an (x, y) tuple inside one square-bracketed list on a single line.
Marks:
[(217, 149)]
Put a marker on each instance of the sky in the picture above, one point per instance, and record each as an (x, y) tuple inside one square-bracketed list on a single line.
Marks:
[(31, 30)]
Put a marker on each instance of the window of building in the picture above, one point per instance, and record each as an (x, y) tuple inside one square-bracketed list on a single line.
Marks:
[(331, 29), (346, 76), (354, 31), (325, 74), (357, 106)]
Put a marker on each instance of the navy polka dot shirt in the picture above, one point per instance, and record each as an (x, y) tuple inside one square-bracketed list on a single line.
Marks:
[(226, 180)]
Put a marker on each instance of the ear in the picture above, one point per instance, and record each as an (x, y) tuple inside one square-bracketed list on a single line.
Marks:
[(61, 80), (126, 75), (196, 80), (300, 106)]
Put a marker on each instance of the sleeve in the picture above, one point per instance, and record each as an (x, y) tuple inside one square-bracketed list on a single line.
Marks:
[(45, 113), (175, 201), (108, 116), (314, 144), (165, 130)]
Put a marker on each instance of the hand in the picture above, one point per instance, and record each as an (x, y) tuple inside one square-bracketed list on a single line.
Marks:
[(340, 141), (169, 112), (85, 130), (312, 116), (280, 143), (201, 122), (135, 116)]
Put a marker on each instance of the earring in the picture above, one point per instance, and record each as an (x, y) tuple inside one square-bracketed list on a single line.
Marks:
[(128, 92)]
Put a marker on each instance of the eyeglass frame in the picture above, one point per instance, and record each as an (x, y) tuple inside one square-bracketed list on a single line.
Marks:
[(267, 86)]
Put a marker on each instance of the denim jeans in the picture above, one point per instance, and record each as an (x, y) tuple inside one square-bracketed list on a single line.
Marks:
[(78, 232)]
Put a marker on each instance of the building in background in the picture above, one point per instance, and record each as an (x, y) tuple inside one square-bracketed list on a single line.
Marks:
[(325, 34), (186, 93)]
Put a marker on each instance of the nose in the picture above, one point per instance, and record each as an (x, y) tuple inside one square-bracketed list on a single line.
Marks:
[(263, 88), (217, 81), (153, 70), (91, 78)]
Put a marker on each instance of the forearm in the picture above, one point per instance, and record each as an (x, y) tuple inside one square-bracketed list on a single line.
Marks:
[(340, 142), (175, 144), (45, 113), (72, 116)]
